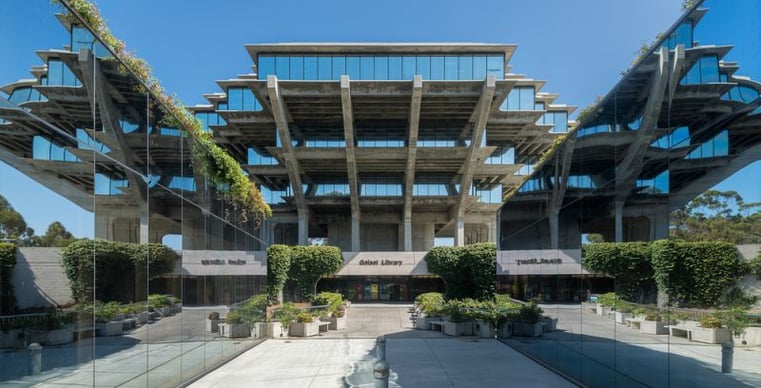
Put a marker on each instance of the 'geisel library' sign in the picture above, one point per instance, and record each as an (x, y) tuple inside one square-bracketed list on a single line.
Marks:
[(540, 262), (383, 264)]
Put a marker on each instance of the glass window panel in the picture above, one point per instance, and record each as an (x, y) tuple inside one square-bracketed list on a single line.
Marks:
[(437, 68), (408, 67), (450, 67), (526, 98), (324, 70), (352, 67), (366, 67), (310, 67), (395, 68), (282, 67), (479, 67), (266, 66), (235, 98), (465, 67), (339, 66), (709, 69), (55, 72), (495, 65), (296, 68), (381, 67), (423, 66)]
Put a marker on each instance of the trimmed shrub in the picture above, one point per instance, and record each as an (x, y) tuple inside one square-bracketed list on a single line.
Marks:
[(278, 265), (7, 262), (469, 271), (309, 264), (331, 299), (430, 302), (629, 263)]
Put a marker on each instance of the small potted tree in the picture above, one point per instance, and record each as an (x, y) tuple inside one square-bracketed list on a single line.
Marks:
[(284, 317), (338, 319), (623, 311), (653, 323), (711, 330), (212, 322)]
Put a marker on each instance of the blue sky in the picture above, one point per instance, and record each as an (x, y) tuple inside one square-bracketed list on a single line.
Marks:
[(578, 47)]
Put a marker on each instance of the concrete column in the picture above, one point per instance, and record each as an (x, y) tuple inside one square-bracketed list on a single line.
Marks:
[(459, 231), (407, 226), (304, 228), (355, 234), (659, 225), (619, 208), (554, 228), (144, 226), (103, 225)]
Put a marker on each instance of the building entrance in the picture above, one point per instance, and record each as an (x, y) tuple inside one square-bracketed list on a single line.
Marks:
[(381, 288)]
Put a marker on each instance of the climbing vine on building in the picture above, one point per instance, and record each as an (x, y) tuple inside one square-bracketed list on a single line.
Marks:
[(278, 265), (7, 262)]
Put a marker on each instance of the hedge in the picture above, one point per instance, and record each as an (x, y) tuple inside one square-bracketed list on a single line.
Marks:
[(7, 262), (468, 271), (695, 274), (115, 265), (309, 264), (278, 265), (629, 263)]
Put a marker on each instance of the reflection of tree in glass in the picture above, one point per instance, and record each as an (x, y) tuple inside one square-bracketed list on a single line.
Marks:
[(718, 215)]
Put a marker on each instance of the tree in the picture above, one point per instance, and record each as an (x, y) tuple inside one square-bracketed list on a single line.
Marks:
[(718, 215), (12, 224), (56, 236)]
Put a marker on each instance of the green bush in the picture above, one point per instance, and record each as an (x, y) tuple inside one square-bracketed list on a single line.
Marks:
[(116, 264), (234, 316), (530, 313), (7, 262), (755, 266), (653, 315), (158, 300), (430, 302), (105, 312), (304, 317), (607, 299), (468, 271), (710, 322), (278, 265), (629, 263), (309, 264), (286, 314), (331, 299), (695, 274), (253, 309)]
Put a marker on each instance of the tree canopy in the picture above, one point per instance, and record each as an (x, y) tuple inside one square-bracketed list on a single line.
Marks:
[(13, 227), (718, 216)]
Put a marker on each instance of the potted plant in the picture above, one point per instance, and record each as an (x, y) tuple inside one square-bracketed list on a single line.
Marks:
[(623, 311), (59, 328), (711, 330), (234, 327), (338, 319), (305, 326), (284, 317), (653, 323), (105, 323), (605, 303), (528, 323), (212, 322), (459, 321), (430, 305)]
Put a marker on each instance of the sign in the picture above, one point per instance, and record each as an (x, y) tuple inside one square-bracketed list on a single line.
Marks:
[(382, 262), (224, 263), (540, 262)]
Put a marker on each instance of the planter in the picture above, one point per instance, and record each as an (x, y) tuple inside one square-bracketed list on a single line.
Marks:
[(234, 330), (425, 323), (524, 329), (143, 317), (458, 328), (58, 337), (259, 330), (109, 329), (275, 330), (621, 317), (212, 325), (337, 323), (603, 310), (505, 330), (13, 338), (653, 327), (304, 329), (550, 324), (483, 329), (716, 335)]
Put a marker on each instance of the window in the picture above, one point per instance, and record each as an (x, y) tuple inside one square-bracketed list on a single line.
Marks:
[(86, 142), (82, 38), (558, 120), (45, 149), (242, 99), (60, 75), (502, 155), (682, 35), (495, 65), (382, 143), (705, 70), (186, 183), (255, 158), (266, 66), (741, 93), (109, 185), (429, 190), (717, 146), (25, 94), (381, 190), (520, 98), (332, 190)]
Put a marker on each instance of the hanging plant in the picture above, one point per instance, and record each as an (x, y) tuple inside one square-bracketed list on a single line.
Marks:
[(209, 159)]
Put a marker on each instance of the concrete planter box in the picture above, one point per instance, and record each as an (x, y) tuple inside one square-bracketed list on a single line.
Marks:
[(653, 327), (621, 317), (234, 330), (425, 323), (310, 329), (505, 330), (143, 317), (484, 329), (603, 310), (109, 329), (458, 328), (259, 330), (337, 323), (58, 337), (212, 325), (275, 330), (523, 329), (711, 335), (550, 324)]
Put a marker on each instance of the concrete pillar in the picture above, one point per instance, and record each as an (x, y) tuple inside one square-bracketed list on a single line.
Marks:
[(459, 231), (492, 226), (554, 228), (103, 229), (659, 226), (619, 208), (355, 234), (407, 226), (304, 229), (144, 226)]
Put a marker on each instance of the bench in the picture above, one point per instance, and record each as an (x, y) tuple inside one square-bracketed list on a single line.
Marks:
[(634, 323), (83, 332), (440, 325), (324, 326), (680, 331)]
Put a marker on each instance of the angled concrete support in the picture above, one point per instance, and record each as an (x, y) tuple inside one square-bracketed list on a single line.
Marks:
[(351, 164), (480, 116), (279, 111), (409, 173)]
